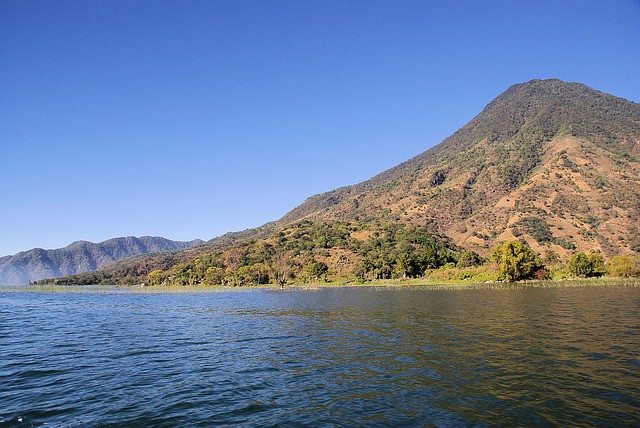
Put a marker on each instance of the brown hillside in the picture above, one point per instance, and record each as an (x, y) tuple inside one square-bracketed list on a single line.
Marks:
[(552, 162)]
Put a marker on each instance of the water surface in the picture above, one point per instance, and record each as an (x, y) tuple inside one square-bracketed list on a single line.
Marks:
[(350, 356)]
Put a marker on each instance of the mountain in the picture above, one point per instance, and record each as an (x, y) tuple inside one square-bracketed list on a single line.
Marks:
[(79, 257), (552, 162)]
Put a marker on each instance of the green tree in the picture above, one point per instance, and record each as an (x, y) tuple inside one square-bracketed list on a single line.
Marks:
[(156, 277), (580, 265), (625, 265), (469, 259), (254, 274), (185, 274), (597, 263), (515, 260), (318, 271)]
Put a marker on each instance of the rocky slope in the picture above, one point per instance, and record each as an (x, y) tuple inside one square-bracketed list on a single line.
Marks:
[(79, 257)]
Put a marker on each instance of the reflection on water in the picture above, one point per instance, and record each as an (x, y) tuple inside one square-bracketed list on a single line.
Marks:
[(330, 357)]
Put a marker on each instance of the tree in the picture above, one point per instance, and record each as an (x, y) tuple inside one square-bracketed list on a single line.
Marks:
[(580, 265), (597, 263), (318, 270), (626, 265), (551, 258), (280, 266), (515, 260), (184, 274), (468, 259), (438, 177), (254, 274), (156, 277)]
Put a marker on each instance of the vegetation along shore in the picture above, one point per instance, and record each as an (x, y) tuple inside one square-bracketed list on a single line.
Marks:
[(360, 253)]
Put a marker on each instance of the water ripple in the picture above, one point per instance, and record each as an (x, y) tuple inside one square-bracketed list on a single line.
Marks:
[(381, 357)]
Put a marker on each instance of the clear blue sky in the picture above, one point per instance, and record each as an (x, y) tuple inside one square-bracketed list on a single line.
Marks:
[(189, 119)]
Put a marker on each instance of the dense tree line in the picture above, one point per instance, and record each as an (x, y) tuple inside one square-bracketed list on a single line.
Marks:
[(355, 251), (304, 252)]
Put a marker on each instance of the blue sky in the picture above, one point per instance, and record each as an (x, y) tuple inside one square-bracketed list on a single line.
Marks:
[(189, 119)]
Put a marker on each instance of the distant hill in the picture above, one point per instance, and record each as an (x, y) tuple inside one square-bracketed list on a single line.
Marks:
[(79, 257), (552, 162)]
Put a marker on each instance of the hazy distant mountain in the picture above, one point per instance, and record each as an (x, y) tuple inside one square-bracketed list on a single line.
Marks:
[(79, 257), (552, 162)]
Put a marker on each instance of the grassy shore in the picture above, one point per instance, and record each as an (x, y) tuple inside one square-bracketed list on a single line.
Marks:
[(464, 285), (440, 285)]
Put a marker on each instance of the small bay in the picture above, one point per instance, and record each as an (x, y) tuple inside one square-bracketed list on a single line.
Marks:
[(361, 356)]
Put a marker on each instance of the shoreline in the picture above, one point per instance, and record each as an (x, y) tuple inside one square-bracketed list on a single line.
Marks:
[(387, 284)]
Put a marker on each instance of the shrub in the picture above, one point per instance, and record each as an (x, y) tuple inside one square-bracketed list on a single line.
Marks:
[(438, 178), (541, 274)]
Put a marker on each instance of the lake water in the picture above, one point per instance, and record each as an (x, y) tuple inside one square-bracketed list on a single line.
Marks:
[(331, 357)]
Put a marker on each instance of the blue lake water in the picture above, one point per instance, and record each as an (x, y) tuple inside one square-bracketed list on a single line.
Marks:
[(331, 357)]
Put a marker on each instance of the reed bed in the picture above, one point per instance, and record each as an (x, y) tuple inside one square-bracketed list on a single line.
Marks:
[(390, 284)]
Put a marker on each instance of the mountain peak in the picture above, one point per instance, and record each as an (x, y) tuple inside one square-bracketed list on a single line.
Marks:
[(540, 148), (549, 82), (542, 109), (551, 85)]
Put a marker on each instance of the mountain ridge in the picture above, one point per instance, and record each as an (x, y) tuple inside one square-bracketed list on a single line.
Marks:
[(80, 257)]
